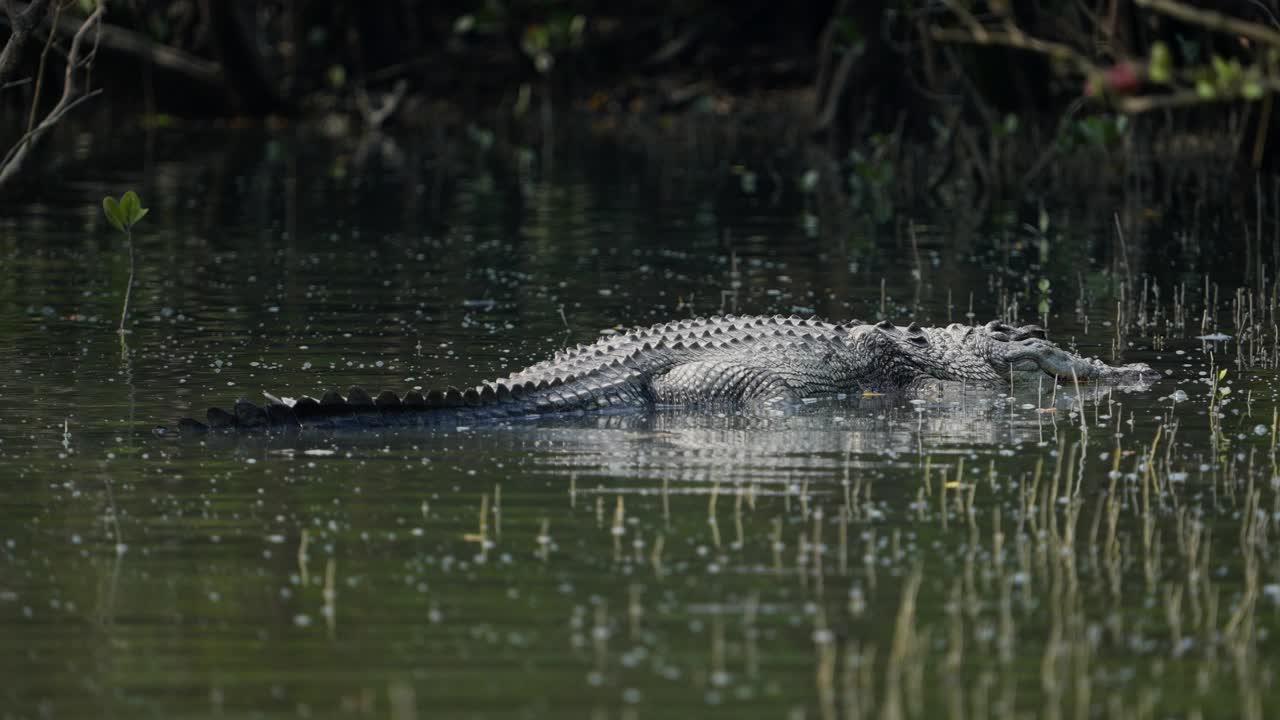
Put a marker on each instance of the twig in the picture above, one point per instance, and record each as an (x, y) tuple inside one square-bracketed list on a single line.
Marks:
[(980, 34), (1139, 104), (374, 117), (13, 160), (44, 56), (1047, 156), (839, 84), (1260, 137), (1020, 41), (825, 52), (51, 117), (128, 289)]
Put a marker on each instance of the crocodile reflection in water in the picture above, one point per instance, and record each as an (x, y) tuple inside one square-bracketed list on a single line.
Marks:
[(718, 361)]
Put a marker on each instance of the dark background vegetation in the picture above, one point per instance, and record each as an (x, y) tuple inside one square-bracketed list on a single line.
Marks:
[(879, 65), (1120, 106)]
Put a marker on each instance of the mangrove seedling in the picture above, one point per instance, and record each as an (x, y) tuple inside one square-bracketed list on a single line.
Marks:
[(123, 214)]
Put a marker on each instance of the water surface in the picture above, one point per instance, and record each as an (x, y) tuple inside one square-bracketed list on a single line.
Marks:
[(966, 554)]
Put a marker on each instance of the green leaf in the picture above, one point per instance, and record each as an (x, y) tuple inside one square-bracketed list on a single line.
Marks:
[(124, 213), (111, 209), (1160, 69), (129, 205), (133, 205), (1219, 65), (1222, 373)]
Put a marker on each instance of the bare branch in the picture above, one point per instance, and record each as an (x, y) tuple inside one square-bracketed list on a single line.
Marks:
[(1214, 21), (52, 118), (128, 42), (1137, 104), (21, 24), (16, 83), (71, 98), (374, 117), (44, 56), (1020, 41)]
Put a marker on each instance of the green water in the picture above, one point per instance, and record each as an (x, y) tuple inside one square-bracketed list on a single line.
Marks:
[(872, 557)]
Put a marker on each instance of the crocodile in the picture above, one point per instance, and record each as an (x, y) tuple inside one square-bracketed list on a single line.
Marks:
[(716, 361)]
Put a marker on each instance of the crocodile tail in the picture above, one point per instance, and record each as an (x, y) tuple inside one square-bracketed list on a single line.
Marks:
[(356, 409)]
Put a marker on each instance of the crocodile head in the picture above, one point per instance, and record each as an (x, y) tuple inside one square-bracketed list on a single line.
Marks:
[(1025, 352), (993, 354)]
